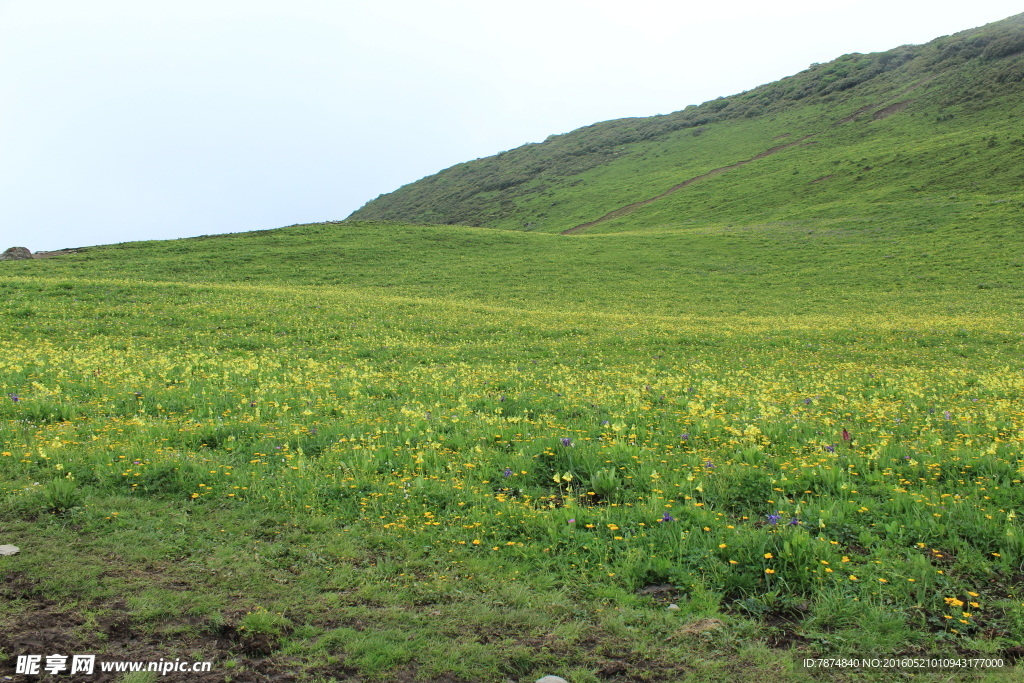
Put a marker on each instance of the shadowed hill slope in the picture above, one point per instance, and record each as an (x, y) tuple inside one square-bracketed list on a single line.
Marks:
[(940, 117)]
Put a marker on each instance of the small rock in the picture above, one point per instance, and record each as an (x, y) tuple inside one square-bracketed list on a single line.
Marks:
[(673, 606), (9, 549), (552, 679), (15, 254)]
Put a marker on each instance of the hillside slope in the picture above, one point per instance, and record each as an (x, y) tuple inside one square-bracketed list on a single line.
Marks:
[(938, 118)]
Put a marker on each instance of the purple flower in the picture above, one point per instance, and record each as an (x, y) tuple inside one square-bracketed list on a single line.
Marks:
[(507, 473), (774, 519), (906, 457), (794, 521), (14, 397), (710, 465), (807, 401), (846, 435), (684, 436), (566, 441), (604, 423), (947, 415), (830, 448), (571, 521), (667, 518)]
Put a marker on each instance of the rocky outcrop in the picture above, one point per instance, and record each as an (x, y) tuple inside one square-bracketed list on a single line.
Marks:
[(15, 254)]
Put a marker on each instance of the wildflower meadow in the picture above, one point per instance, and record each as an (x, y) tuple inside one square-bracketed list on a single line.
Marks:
[(341, 468)]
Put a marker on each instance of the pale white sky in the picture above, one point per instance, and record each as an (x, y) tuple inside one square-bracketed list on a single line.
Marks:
[(125, 119)]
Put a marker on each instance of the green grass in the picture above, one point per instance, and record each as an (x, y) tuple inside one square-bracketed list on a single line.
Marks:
[(267, 467), (370, 450), (958, 257)]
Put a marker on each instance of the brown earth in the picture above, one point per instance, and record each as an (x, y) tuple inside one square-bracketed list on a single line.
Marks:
[(890, 110), (106, 628), (46, 627)]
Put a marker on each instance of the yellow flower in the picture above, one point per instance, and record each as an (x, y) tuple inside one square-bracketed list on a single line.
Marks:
[(476, 541), (733, 562), (722, 545), (767, 556), (853, 578), (769, 571)]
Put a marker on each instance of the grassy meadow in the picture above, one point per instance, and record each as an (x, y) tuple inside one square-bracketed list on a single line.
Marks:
[(384, 452), (775, 415)]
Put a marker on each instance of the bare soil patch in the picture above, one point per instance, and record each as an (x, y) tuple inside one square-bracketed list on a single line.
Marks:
[(890, 110)]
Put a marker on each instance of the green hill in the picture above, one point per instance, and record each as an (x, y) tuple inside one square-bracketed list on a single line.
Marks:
[(862, 135)]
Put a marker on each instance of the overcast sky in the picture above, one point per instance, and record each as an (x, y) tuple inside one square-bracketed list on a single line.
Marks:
[(153, 119)]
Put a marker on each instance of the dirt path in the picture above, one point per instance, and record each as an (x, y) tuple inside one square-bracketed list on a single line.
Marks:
[(630, 208), (891, 109)]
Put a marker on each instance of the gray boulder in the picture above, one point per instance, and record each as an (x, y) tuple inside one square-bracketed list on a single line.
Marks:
[(15, 254)]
